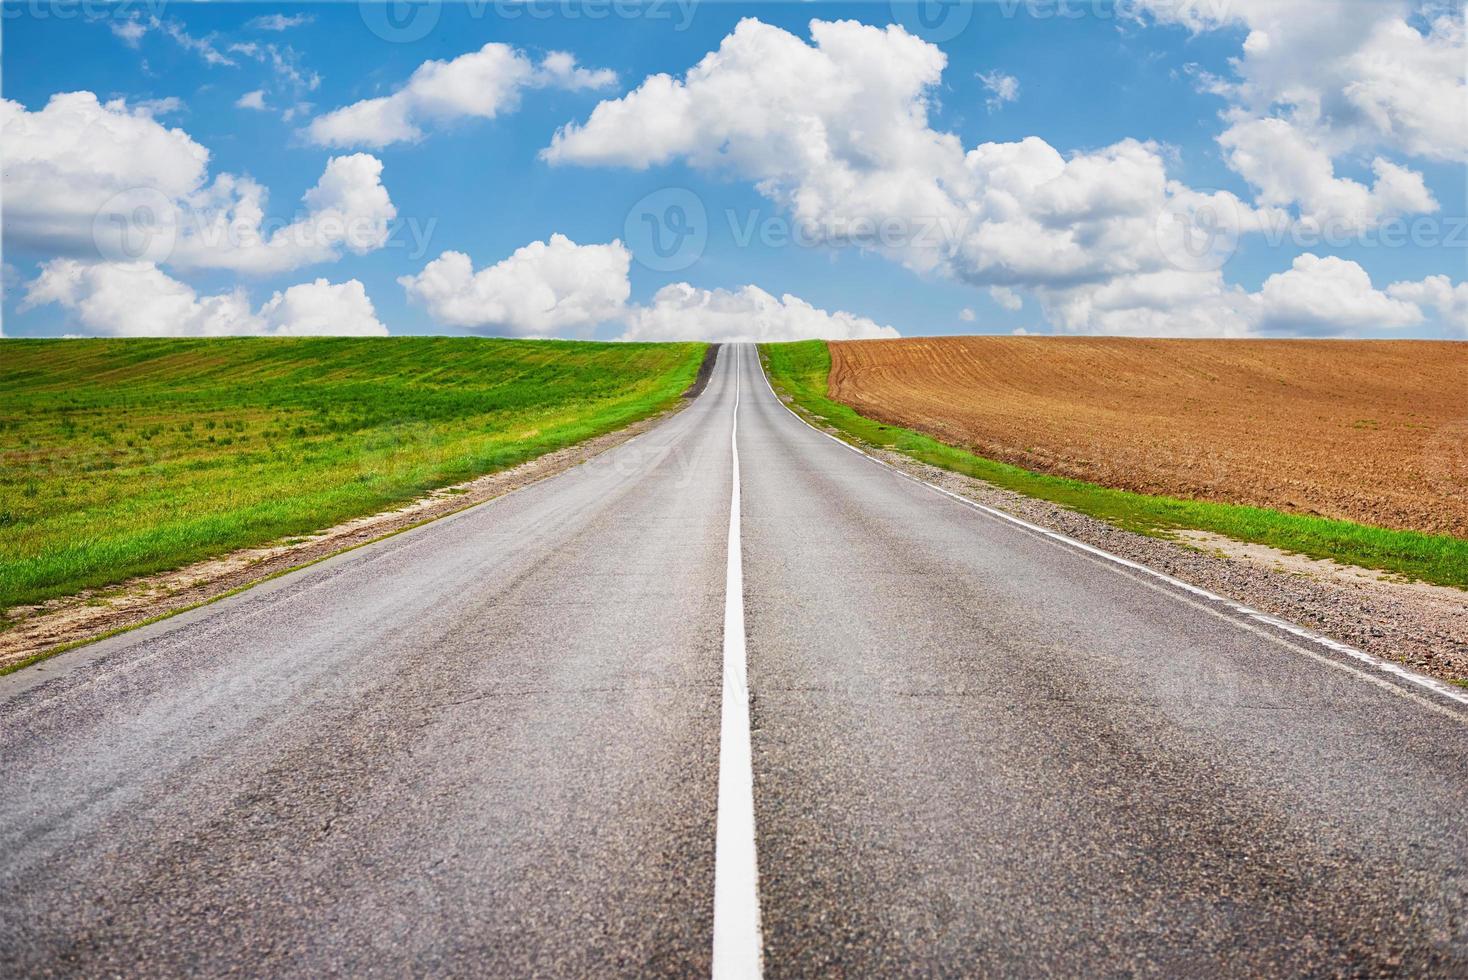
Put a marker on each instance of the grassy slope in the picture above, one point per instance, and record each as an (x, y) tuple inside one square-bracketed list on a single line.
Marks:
[(800, 370), (120, 458)]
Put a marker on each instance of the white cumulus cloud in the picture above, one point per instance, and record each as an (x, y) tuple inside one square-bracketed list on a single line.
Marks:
[(1159, 303), (1286, 168), (1438, 293), (749, 314), (478, 85), (560, 288), (836, 131), (66, 161), (1319, 81), (1329, 295), (322, 308), (348, 208), (137, 299), (544, 289), (93, 180)]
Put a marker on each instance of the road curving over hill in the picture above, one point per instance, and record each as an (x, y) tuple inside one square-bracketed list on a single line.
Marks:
[(491, 746)]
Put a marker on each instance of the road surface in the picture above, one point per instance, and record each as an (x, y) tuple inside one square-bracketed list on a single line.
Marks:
[(492, 746)]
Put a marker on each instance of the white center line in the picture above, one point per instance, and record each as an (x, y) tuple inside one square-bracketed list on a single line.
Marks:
[(737, 946)]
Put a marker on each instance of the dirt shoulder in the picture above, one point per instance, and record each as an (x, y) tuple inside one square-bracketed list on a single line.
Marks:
[(94, 614)]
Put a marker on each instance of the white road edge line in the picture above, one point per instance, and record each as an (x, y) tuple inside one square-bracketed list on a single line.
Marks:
[(738, 948), (1396, 670)]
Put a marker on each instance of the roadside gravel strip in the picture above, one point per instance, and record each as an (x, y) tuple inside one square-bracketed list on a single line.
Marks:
[(1422, 627)]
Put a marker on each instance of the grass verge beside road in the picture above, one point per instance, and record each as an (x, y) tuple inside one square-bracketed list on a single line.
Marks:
[(800, 371), (125, 457)]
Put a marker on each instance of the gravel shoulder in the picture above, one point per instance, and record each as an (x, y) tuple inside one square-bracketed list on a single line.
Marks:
[(1420, 626)]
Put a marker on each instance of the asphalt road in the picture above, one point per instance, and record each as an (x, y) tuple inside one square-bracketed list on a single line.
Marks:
[(491, 746)]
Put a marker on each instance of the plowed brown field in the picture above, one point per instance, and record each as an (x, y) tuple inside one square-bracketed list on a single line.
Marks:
[(1369, 431)]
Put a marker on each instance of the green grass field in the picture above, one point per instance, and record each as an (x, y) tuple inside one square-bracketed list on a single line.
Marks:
[(123, 457), (801, 369)]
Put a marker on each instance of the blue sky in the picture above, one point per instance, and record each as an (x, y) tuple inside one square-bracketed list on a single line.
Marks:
[(1174, 80)]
